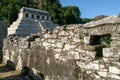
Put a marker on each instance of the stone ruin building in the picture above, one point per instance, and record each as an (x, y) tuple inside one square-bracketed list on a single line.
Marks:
[(31, 21), (70, 52)]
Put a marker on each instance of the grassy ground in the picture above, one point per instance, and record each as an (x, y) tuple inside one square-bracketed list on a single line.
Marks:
[(7, 73)]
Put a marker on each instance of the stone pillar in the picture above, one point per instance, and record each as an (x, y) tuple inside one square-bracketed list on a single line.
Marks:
[(49, 18), (115, 45), (35, 16), (45, 17), (40, 17), (87, 39), (30, 16)]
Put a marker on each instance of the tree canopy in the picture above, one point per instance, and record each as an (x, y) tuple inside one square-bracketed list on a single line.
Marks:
[(61, 15), (10, 8)]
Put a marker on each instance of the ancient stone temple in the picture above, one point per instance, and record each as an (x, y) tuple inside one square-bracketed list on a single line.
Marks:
[(31, 21)]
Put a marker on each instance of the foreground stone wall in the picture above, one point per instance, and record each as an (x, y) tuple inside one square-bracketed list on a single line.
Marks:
[(65, 53), (52, 54)]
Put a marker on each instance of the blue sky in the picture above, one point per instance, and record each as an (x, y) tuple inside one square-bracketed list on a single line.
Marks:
[(92, 8)]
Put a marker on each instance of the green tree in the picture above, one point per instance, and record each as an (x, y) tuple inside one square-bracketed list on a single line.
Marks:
[(10, 8), (60, 15), (85, 20), (71, 14)]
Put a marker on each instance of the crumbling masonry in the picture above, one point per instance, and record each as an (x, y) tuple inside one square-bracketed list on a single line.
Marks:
[(70, 52)]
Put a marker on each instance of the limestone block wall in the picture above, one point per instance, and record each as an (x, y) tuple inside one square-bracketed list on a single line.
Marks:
[(55, 53), (64, 53)]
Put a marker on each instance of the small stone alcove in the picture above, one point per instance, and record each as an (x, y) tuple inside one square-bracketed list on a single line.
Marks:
[(100, 42), (100, 39), (95, 39)]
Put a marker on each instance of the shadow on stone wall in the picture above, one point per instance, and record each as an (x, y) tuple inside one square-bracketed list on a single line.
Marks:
[(45, 62), (15, 77), (3, 34), (5, 68)]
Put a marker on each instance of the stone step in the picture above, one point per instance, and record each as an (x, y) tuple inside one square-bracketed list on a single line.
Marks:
[(43, 24), (16, 23)]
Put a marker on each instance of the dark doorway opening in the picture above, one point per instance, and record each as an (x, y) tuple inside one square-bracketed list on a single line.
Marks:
[(100, 42), (26, 15), (95, 40)]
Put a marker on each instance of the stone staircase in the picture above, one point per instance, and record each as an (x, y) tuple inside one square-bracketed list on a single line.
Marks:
[(26, 27), (14, 26)]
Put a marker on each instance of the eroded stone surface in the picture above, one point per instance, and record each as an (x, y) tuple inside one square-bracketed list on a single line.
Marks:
[(65, 53)]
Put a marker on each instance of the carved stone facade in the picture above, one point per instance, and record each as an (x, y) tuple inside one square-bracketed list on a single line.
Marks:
[(31, 21)]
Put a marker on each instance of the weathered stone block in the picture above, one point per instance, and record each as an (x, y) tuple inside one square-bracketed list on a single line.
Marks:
[(116, 38), (80, 50), (114, 76), (115, 43), (87, 39), (47, 35), (71, 33), (57, 56), (57, 50), (114, 70), (63, 33), (46, 44), (107, 52), (54, 36), (76, 39), (91, 54), (74, 54), (59, 45), (102, 74), (102, 66), (68, 47), (63, 39), (81, 64), (93, 66), (51, 40)]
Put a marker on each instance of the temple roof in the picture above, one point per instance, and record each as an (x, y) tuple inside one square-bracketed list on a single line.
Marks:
[(34, 11)]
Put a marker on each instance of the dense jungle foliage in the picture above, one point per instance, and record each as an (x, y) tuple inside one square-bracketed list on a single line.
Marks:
[(61, 15)]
